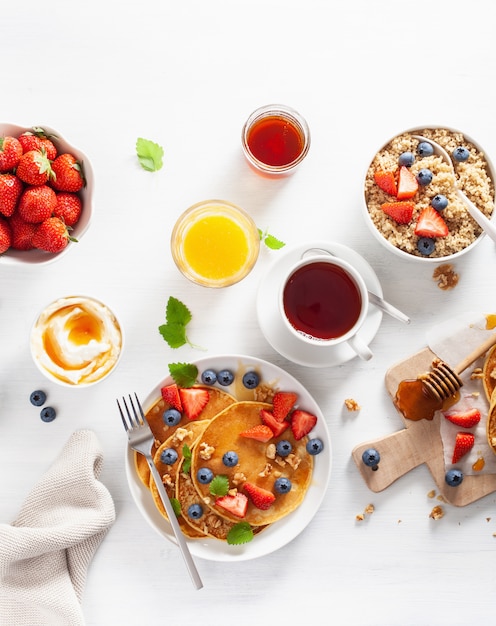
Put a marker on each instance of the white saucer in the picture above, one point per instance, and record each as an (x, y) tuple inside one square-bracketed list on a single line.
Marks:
[(281, 339)]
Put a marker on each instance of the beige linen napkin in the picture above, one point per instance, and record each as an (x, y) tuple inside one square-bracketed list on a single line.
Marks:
[(45, 553)]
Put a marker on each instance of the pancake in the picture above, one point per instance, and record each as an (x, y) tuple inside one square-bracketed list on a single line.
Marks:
[(180, 437), (489, 373), (218, 400), (255, 464)]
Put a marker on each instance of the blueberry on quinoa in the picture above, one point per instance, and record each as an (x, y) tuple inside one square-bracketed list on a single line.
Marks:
[(225, 378), (251, 380), (425, 149), (407, 159), (209, 377), (195, 511), (439, 202), (48, 414), (426, 245), (461, 154), (38, 397), (424, 177)]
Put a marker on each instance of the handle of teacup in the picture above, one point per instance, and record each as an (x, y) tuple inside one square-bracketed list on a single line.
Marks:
[(360, 347)]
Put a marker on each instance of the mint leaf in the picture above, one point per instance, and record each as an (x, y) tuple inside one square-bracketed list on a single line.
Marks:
[(270, 241), (187, 459), (240, 533), (150, 154), (174, 334), (176, 312), (219, 485), (184, 374), (176, 506)]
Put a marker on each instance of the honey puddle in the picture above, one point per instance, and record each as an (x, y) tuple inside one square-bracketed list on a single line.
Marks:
[(415, 402)]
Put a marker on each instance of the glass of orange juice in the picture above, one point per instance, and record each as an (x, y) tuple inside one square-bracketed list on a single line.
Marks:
[(215, 243)]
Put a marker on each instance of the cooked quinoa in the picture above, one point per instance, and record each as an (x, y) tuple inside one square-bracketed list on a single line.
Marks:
[(472, 178)]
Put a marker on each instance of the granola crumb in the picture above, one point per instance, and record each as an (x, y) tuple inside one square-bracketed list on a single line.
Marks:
[(436, 513), (352, 405), (431, 494), (446, 277), (360, 517), (369, 509)]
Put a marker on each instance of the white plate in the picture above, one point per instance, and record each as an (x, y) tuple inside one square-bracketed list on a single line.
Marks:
[(276, 535), (279, 336)]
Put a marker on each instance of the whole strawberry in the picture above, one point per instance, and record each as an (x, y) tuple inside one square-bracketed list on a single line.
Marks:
[(10, 153), (36, 139), (22, 233), (51, 235), (37, 203), (34, 167), (68, 207), (5, 235), (68, 174), (10, 190)]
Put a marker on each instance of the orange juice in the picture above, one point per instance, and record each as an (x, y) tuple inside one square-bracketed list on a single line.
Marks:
[(215, 243)]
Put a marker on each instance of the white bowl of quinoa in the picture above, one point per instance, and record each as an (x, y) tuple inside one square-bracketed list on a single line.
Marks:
[(410, 200)]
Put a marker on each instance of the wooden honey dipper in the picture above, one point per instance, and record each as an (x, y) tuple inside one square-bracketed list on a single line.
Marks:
[(420, 398), (442, 382)]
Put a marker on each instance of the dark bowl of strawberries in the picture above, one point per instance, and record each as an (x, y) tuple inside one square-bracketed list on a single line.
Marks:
[(46, 195)]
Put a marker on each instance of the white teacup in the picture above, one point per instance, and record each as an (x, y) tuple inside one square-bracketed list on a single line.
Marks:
[(323, 301)]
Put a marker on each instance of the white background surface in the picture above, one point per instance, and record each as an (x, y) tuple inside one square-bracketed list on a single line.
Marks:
[(187, 74)]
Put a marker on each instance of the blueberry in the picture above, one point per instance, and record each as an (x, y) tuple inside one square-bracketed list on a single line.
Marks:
[(439, 202), (407, 159), (38, 397), (426, 245), (453, 477), (195, 511), (284, 447), (230, 459), (282, 485), (461, 154), (209, 377), (204, 475), (425, 149), (314, 446), (424, 177), (168, 456), (371, 458), (48, 414), (171, 417), (251, 380), (225, 378)]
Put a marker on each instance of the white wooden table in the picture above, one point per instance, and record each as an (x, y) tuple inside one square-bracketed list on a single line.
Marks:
[(186, 75)]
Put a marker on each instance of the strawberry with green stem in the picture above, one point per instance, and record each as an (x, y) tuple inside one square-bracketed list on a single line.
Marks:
[(10, 191), (67, 173), (10, 153), (34, 167)]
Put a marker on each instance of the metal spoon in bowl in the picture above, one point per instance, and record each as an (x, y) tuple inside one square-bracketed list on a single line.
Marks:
[(487, 226), (374, 299)]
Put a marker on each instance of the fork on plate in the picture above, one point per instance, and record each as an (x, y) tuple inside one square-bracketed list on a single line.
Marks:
[(141, 439)]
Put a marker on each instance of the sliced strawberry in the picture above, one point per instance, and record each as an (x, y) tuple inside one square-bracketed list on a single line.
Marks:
[(407, 184), (236, 505), (464, 442), (194, 400), (260, 497), (465, 419), (386, 181), (260, 432), (431, 224), (171, 395), (282, 403), (275, 426), (302, 423), (401, 212)]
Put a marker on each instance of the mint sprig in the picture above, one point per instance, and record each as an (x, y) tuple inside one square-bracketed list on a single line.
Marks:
[(187, 459), (177, 317), (240, 533), (270, 241), (150, 154), (184, 374), (219, 485)]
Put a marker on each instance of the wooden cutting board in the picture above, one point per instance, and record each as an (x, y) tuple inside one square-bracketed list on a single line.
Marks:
[(418, 443)]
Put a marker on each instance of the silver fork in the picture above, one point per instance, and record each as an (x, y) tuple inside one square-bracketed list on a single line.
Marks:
[(141, 439)]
